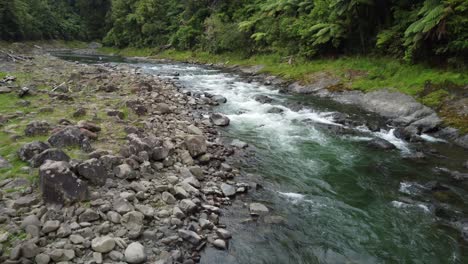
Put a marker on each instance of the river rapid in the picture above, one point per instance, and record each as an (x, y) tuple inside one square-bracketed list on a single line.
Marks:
[(332, 199)]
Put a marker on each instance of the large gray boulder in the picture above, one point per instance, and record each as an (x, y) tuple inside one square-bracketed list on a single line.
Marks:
[(49, 154), (92, 170), (219, 119), (59, 185), (29, 150), (70, 136)]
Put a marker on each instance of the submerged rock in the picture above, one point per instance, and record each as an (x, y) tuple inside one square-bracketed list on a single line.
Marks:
[(379, 143), (258, 209)]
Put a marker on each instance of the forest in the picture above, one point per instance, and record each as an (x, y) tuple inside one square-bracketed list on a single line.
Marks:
[(411, 30)]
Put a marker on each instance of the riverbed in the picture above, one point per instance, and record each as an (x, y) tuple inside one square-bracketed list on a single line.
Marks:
[(332, 199)]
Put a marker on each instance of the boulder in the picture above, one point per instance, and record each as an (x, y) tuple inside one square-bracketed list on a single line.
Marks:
[(59, 185), (70, 136), (92, 170), (133, 220), (49, 154), (219, 119), (196, 145), (135, 253), (103, 244), (37, 128), (124, 171), (29, 150), (160, 153), (263, 99), (379, 143), (190, 236), (228, 190), (219, 99), (258, 209)]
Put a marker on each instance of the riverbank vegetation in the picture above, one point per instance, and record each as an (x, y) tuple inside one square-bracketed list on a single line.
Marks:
[(416, 47)]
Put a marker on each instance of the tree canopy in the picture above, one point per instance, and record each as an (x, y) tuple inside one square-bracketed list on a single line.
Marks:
[(408, 29)]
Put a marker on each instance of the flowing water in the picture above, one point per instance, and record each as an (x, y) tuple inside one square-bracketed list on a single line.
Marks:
[(331, 198)]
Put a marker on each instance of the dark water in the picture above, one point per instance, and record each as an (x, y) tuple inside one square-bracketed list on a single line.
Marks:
[(338, 201)]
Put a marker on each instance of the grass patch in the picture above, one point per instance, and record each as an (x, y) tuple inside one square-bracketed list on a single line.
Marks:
[(374, 72), (435, 99)]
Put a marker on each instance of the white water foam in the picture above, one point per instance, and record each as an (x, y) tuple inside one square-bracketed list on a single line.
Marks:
[(431, 138), (293, 197), (403, 205)]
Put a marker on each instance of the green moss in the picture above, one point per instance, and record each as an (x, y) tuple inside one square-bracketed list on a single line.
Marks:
[(435, 99)]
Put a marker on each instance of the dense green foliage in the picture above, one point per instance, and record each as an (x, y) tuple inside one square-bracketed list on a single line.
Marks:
[(429, 30), (413, 30), (53, 19)]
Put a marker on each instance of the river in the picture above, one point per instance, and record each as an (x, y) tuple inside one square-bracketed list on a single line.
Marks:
[(331, 198)]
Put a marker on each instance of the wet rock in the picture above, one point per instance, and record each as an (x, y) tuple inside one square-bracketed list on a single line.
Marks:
[(263, 99), (379, 143), (223, 233), (59, 184), (103, 244), (29, 150), (135, 253), (239, 144), (92, 170), (219, 99), (219, 243), (190, 236), (406, 133), (219, 119), (196, 145), (49, 154), (37, 128), (258, 209), (275, 110), (228, 190), (70, 136), (465, 165)]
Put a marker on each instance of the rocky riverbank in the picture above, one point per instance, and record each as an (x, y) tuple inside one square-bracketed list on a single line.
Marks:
[(104, 164)]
